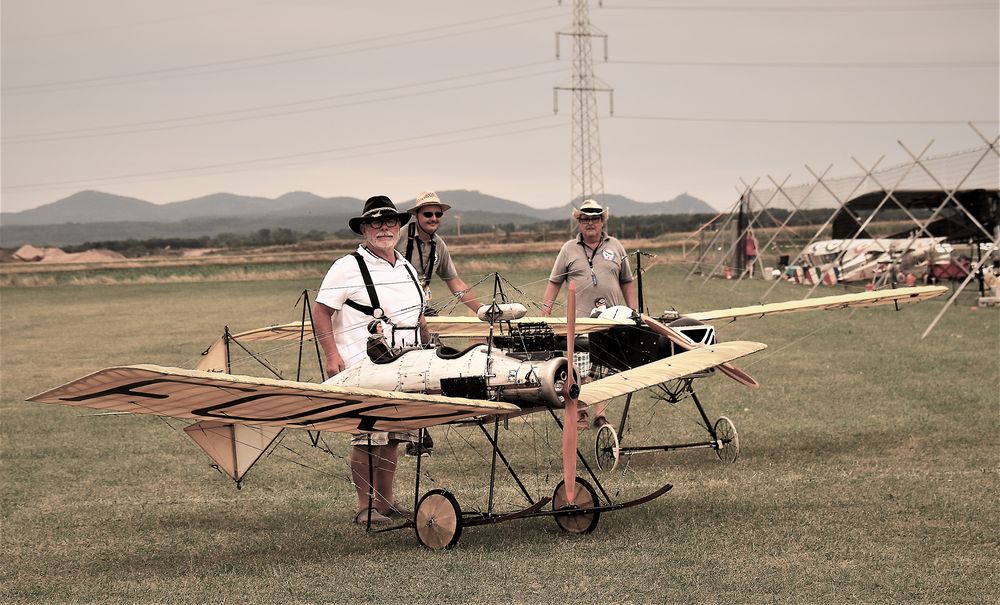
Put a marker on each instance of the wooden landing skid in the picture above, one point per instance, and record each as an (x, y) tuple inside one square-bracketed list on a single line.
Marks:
[(606, 507)]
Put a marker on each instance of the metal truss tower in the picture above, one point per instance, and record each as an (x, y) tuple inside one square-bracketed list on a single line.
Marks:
[(586, 172)]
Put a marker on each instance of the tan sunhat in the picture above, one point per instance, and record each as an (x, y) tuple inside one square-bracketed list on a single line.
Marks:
[(590, 208), (428, 198)]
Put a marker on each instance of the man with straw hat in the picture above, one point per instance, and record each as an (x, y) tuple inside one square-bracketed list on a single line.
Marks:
[(428, 253), (598, 265)]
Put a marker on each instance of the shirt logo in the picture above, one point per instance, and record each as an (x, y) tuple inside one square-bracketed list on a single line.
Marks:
[(608, 255)]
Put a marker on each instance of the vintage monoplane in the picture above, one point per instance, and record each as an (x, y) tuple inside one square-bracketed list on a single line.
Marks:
[(520, 368)]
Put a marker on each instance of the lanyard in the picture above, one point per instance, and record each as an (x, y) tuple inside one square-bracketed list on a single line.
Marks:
[(590, 257)]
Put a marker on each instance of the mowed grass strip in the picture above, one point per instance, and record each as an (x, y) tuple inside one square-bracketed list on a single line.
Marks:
[(472, 260), (869, 469)]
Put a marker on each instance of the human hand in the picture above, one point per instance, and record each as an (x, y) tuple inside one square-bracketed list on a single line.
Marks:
[(334, 364)]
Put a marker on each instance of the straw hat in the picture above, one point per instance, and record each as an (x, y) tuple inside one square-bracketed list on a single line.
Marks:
[(378, 207), (590, 208), (428, 198)]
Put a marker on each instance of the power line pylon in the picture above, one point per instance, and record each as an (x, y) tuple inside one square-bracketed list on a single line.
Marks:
[(586, 171)]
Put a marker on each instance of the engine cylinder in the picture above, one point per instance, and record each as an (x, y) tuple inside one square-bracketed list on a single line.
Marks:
[(552, 376)]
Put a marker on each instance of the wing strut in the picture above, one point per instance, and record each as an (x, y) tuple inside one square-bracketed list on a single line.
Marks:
[(571, 391)]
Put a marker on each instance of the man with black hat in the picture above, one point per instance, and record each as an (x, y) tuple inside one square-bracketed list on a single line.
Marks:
[(428, 253), (372, 290), (598, 265)]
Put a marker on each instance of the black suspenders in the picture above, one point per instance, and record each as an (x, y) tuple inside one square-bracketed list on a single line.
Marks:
[(429, 269), (375, 310)]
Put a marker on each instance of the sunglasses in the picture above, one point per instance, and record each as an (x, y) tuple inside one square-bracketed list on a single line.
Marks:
[(383, 223), (434, 214), (589, 219)]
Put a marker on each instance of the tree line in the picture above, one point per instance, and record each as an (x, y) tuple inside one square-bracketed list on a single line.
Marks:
[(158, 246), (648, 226)]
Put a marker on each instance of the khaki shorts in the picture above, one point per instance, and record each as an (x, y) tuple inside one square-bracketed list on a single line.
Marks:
[(384, 438)]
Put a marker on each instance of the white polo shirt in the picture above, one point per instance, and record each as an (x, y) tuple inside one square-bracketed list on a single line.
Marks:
[(399, 295)]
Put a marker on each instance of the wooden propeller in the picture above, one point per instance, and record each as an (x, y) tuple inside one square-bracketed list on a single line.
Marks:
[(571, 391)]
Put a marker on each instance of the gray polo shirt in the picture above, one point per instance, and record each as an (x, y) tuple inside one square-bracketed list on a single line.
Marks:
[(607, 265)]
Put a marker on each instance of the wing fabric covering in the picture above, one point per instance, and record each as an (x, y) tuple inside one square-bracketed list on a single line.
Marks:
[(685, 343), (197, 395), (665, 370), (473, 327), (443, 325), (827, 303), (215, 358), (234, 447), (289, 331)]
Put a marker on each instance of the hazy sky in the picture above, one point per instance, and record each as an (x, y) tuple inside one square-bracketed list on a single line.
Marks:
[(167, 101)]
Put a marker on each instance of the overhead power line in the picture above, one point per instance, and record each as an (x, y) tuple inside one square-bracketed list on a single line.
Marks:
[(802, 121), (256, 163), (174, 17), (819, 65), (266, 60), (279, 109), (836, 7)]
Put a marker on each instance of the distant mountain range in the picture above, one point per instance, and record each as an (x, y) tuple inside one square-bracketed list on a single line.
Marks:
[(97, 216)]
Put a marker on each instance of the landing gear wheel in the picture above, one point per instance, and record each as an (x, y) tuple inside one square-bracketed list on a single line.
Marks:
[(606, 448), (438, 520), (574, 520), (728, 440)]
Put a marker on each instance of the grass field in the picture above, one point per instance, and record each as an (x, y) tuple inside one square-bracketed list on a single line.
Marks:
[(868, 474)]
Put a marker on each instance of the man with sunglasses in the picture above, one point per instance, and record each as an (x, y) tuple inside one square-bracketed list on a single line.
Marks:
[(428, 253), (598, 265), (372, 290)]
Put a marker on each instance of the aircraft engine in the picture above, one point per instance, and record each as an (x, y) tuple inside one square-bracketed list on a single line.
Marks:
[(552, 376), (529, 383)]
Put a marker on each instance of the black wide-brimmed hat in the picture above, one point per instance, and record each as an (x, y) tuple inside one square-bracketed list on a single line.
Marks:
[(378, 207)]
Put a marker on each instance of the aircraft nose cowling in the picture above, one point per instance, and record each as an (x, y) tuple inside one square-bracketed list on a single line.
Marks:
[(552, 376)]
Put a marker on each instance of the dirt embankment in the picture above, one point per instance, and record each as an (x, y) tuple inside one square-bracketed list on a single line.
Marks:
[(30, 254)]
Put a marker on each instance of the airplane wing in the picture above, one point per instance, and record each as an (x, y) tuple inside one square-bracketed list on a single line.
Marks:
[(474, 327), (198, 395), (443, 324), (843, 301), (216, 357), (665, 370), (289, 331)]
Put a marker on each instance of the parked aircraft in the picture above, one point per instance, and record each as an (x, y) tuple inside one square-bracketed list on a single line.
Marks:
[(841, 260), (518, 370)]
